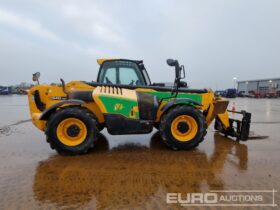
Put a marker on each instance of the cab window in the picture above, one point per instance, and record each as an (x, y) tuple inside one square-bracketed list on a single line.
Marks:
[(128, 76), (110, 76)]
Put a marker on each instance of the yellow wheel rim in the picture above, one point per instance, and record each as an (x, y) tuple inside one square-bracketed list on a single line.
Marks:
[(184, 128), (71, 131)]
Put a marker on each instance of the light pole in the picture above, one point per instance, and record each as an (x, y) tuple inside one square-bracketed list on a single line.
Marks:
[(234, 81), (247, 87), (270, 88), (270, 84)]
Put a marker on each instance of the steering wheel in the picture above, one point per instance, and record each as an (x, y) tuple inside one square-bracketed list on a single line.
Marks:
[(107, 80), (131, 83), (138, 83)]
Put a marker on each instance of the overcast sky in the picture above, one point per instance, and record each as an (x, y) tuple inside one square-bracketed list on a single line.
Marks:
[(216, 40)]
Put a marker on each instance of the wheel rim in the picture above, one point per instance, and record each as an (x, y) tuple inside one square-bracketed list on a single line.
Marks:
[(71, 131), (184, 128)]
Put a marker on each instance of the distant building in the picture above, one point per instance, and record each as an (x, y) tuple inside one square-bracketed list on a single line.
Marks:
[(5, 90), (260, 88)]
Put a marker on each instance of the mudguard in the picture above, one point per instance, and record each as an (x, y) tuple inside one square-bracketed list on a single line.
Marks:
[(45, 115), (188, 101)]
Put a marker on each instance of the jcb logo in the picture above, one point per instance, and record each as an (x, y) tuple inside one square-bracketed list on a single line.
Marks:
[(118, 107)]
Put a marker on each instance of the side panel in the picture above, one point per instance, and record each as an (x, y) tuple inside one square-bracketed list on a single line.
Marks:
[(121, 111), (163, 96), (148, 106), (116, 105), (117, 101)]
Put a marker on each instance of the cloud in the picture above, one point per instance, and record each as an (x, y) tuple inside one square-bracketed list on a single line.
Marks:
[(213, 39), (28, 25), (93, 22)]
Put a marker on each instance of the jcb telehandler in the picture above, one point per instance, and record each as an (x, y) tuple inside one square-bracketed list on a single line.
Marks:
[(124, 100)]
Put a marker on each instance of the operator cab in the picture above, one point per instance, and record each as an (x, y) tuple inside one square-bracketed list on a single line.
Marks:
[(132, 74), (123, 72)]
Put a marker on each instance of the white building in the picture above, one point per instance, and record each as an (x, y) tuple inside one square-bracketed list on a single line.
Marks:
[(248, 86)]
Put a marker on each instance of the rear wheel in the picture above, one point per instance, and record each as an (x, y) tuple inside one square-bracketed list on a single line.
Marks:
[(71, 131), (183, 127), (156, 125)]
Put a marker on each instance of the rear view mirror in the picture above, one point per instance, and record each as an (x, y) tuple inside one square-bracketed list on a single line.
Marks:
[(35, 77), (171, 62), (182, 72)]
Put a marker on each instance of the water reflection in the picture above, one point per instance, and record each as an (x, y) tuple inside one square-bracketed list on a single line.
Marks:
[(133, 175)]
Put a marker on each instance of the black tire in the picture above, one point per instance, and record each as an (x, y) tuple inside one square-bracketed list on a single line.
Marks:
[(166, 133), (71, 112), (156, 125), (99, 126)]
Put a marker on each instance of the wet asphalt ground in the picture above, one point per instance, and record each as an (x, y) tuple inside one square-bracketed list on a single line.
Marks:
[(134, 171)]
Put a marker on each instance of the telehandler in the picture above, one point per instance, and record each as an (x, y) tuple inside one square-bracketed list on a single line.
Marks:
[(124, 100)]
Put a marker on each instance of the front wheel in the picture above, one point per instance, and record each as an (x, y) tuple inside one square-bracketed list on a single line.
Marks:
[(71, 131), (183, 127)]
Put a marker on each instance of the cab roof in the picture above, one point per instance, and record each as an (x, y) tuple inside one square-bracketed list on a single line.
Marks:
[(100, 61)]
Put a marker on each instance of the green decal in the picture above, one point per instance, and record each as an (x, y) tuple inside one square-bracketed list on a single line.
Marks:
[(162, 95), (123, 106)]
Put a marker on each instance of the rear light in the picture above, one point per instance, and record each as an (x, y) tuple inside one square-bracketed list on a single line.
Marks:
[(39, 104)]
